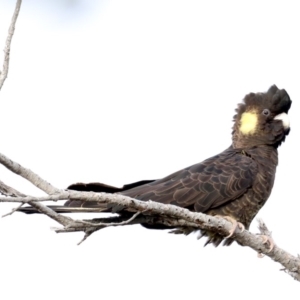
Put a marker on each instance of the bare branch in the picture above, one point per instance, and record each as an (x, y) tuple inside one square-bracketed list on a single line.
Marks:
[(28, 174), (103, 224), (51, 213), (13, 210), (27, 199), (3, 74), (263, 228), (9, 191)]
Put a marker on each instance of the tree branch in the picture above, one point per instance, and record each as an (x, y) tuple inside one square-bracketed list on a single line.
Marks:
[(9, 191), (143, 212), (28, 174), (11, 30)]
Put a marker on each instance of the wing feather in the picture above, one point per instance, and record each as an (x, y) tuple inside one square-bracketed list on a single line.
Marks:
[(210, 184)]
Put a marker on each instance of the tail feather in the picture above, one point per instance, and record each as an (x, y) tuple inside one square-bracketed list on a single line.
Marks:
[(104, 188), (99, 188), (64, 209), (77, 206)]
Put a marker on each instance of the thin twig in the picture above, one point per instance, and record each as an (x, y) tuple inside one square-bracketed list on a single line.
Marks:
[(89, 231), (13, 210), (86, 235), (101, 224), (3, 74)]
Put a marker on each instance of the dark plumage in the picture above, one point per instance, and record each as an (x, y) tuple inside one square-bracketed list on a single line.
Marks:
[(235, 183)]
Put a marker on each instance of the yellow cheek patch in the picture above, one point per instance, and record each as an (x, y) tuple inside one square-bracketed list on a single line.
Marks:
[(248, 122)]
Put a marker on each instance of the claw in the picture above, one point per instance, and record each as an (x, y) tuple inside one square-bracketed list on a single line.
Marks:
[(268, 240), (234, 223), (260, 255)]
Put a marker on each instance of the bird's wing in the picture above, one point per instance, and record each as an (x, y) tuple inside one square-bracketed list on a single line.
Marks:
[(201, 187)]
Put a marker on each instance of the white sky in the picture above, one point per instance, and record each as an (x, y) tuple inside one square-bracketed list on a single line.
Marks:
[(119, 91)]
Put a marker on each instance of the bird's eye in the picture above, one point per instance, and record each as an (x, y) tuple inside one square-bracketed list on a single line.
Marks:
[(266, 112)]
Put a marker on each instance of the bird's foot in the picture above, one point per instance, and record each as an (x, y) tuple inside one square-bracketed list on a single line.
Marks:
[(234, 223), (267, 240)]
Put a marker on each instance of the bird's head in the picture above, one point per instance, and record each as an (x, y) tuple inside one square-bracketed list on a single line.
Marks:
[(262, 119)]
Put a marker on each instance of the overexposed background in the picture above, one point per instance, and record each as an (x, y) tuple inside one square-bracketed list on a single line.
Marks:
[(119, 91)]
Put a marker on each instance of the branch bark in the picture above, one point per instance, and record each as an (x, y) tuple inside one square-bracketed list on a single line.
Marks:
[(11, 30)]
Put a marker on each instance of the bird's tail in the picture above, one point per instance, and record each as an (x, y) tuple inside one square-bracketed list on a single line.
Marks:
[(63, 209), (77, 206)]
